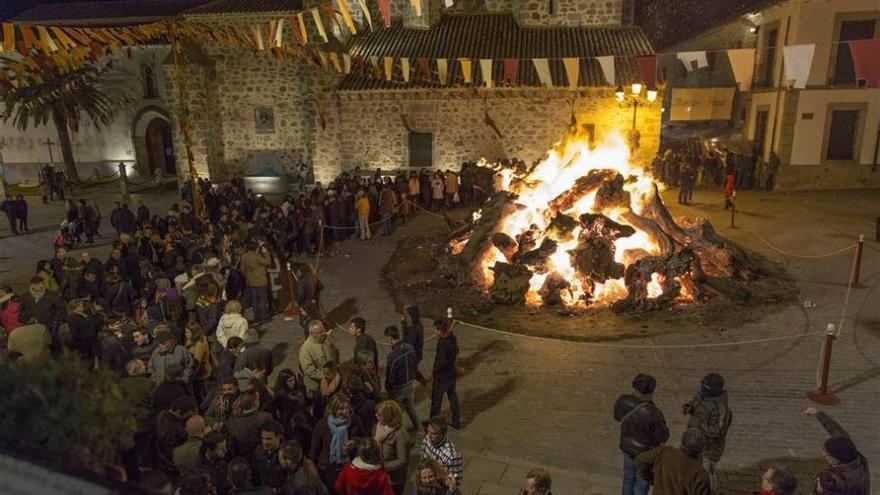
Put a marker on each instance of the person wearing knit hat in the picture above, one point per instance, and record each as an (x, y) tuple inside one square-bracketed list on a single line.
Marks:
[(676, 471), (642, 427), (843, 456), (710, 414)]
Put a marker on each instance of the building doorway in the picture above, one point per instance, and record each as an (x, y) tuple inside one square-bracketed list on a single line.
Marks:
[(160, 148)]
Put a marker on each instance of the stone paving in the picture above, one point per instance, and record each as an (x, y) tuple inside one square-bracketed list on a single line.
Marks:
[(533, 402)]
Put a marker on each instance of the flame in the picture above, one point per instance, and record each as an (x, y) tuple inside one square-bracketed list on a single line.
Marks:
[(557, 173)]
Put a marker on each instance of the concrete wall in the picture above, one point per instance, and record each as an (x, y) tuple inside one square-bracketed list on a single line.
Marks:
[(373, 134), (101, 149)]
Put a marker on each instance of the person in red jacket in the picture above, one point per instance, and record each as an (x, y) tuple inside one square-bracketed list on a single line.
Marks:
[(365, 475), (776, 481)]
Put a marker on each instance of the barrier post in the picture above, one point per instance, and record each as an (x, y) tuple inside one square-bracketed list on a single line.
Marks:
[(733, 212), (821, 395), (320, 237), (291, 311), (857, 263), (450, 320)]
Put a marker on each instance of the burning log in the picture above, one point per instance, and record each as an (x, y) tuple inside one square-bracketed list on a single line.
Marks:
[(598, 224), (581, 187), (594, 259), (511, 283), (537, 258), (562, 227), (653, 274), (551, 291), (506, 244), (611, 195)]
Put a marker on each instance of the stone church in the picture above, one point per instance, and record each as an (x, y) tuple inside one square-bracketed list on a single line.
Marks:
[(246, 107)]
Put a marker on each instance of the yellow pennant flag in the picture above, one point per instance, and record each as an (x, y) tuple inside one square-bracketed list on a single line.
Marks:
[(346, 16), (542, 67), (316, 15), (65, 40), (258, 37), (334, 57), (46, 40), (466, 70), (366, 11), (389, 67), (404, 67), (441, 69), (572, 71), (417, 7), (302, 28), (9, 36), (28, 40)]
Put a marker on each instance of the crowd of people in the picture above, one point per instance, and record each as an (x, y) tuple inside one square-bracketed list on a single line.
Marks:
[(177, 310)]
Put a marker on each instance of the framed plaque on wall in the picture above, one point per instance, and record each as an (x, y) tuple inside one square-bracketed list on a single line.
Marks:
[(264, 120)]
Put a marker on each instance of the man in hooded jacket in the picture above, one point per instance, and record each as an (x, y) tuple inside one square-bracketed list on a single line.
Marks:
[(843, 456), (711, 416), (414, 335)]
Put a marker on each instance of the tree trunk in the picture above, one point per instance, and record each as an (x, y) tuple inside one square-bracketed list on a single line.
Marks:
[(66, 147)]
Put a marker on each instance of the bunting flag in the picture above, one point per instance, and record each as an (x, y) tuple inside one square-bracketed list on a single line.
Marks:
[(866, 61), (258, 37), (334, 59), (647, 65), (389, 67), (46, 40), (742, 62), (572, 71), (607, 65), (692, 60), (294, 26), (441, 70), (331, 13), (346, 62), (486, 71), (511, 67), (542, 67), (9, 36), (323, 57), (374, 62), (466, 70), (448, 3), (346, 16), (302, 27), (366, 11), (404, 68), (417, 7), (316, 15), (279, 33), (797, 60), (491, 123), (425, 67), (359, 60), (385, 9)]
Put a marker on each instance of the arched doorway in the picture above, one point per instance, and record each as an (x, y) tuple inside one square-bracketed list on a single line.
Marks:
[(160, 148), (153, 142)]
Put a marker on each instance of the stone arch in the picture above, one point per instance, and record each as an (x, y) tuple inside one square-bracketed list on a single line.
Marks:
[(140, 124)]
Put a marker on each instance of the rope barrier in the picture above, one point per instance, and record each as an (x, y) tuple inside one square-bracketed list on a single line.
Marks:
[(629, 346), (429, 212)]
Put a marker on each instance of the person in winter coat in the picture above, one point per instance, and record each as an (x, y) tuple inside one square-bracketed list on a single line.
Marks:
[(302, 474), (387, 207), (777, 481), (414, 335), (676, 471), (314, 353), (168, 353), (444, 373), (244, 427), (254, 264), (30, 341), (10, 307), (126, 222), (203, 360), (400, 371), (430, 478), (843, 456), (43, 304), (394, 443), (710, 414), (254, 355), (84, 328), (231, 324), (365, 475), (333, 439), (642, 427)]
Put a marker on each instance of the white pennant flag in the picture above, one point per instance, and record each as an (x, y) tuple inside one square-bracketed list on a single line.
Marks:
[(441, 69), (543, 69), (691, 58), (797, 60), (572, 71), (279, 33), (316, 15), (346, 62), (486, 71), (607, 64), (448, 3), (404, 67), (742, 61), (366, 11)]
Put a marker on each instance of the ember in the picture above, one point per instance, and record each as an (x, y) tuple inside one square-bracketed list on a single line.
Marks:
[(585, 227)]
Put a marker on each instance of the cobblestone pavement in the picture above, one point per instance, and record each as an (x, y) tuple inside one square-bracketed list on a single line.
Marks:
[(531, 402)]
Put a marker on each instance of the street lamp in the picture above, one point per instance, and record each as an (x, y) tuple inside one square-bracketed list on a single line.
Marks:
[(634, 99)]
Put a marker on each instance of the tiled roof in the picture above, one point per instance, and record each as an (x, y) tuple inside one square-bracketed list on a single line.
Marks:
[(498, 36), (120, 11), (246, 6)]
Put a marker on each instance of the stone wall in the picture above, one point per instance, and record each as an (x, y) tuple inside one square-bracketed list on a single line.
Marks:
[(373, 133), (568, 12)]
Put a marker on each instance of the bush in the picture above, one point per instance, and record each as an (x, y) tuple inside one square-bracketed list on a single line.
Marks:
[(58, 411)]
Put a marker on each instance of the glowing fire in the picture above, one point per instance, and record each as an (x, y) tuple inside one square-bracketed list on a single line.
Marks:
[(535, 191)]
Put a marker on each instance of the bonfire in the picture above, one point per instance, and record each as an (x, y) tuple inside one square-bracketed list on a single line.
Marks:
[(585, 227)]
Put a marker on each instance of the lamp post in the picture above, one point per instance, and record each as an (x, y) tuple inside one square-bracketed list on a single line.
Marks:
[(634, 98)]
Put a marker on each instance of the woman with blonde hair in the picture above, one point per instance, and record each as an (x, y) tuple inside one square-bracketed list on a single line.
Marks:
[(394, 442), (197, 345), (430, 478), (333, 439), (232, 324)]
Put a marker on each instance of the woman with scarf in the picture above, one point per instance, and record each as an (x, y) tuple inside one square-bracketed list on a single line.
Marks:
[(394, 443), (333, 440), (365, 474)]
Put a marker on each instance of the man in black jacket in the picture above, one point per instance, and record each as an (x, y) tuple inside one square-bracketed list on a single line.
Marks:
[(445, 357), (642, 427), (414, 335), (400, 370), (46, 306), (843, 456)]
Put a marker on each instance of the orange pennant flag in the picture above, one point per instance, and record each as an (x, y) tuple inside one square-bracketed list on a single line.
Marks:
[(346, 16), (46, 41), (334, 57), (28, 39), (9, 36), (302, 27), (65, 40), (296, 34)]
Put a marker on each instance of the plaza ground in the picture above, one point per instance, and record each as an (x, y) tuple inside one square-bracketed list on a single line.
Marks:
[(540, 402)]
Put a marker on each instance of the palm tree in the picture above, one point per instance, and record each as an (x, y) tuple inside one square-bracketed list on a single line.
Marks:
[(65, 98)]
